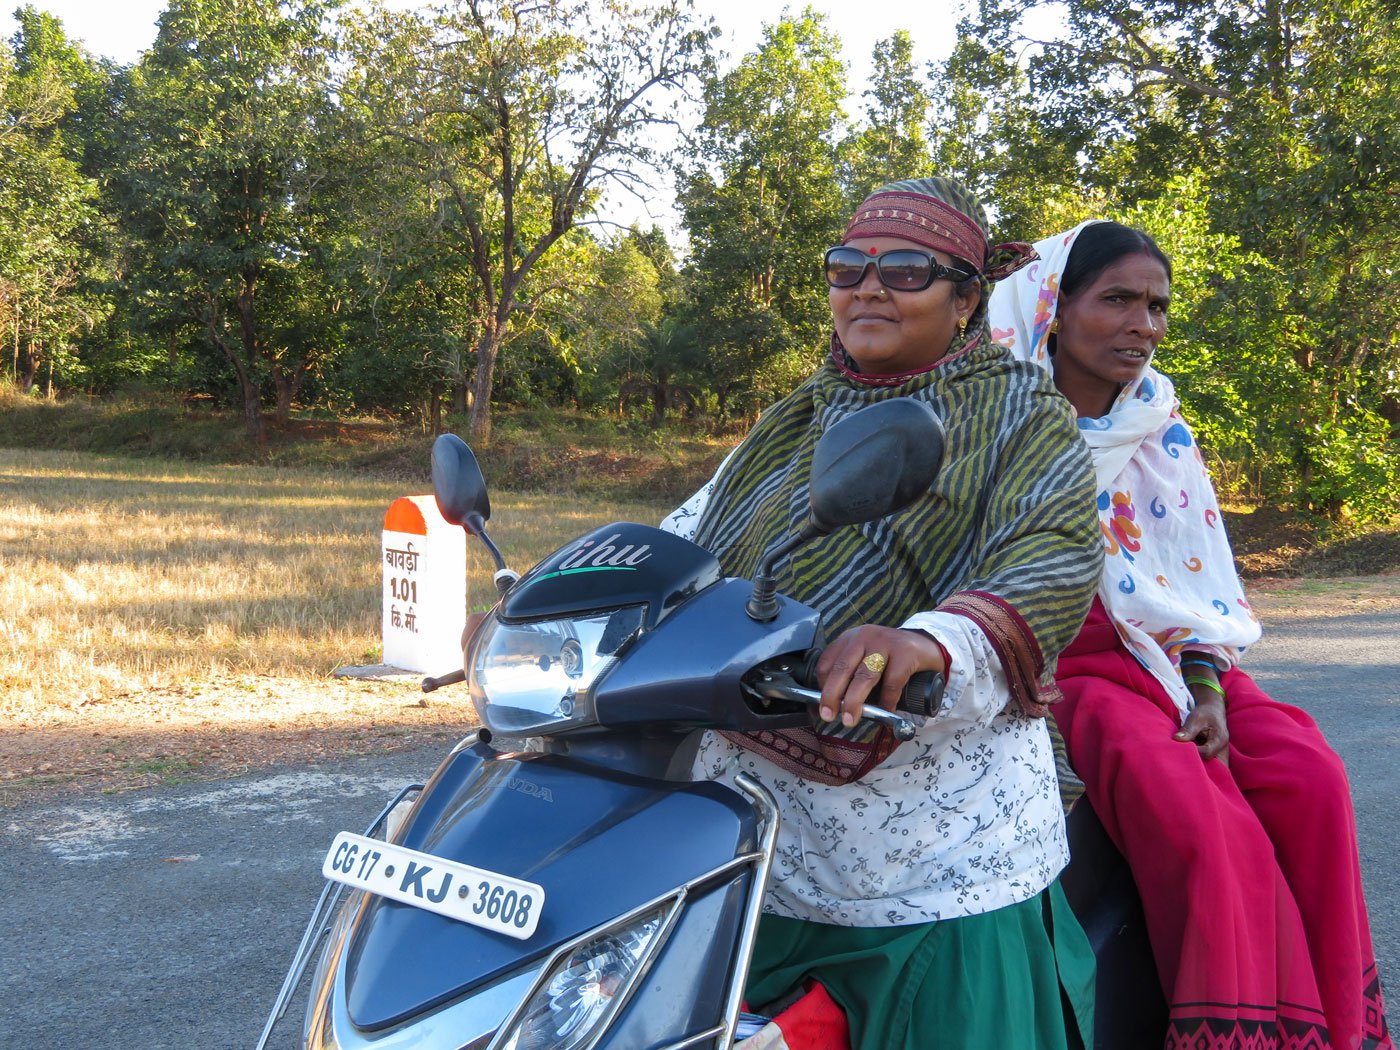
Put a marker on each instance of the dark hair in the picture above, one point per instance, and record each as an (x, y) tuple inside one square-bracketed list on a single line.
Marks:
[(971, 284), (1100, 245)]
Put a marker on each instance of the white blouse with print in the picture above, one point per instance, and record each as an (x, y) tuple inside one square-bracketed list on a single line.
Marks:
[(963, 819)]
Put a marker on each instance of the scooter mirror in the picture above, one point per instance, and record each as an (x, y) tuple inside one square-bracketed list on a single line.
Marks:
[(875, 462), (869, 465), (458, 485)]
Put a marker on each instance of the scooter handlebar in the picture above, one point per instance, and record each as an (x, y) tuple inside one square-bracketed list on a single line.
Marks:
[(922, 695), (450, 678), (919, 696)]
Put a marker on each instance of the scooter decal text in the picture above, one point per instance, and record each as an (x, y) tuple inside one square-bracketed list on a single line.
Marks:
[(529, 787), (591, 557)]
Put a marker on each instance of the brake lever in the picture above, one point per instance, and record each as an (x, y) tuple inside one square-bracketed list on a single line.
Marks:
[(783, 687)]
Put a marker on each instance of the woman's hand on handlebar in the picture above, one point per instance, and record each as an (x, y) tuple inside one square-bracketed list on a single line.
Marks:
[(848, 682)]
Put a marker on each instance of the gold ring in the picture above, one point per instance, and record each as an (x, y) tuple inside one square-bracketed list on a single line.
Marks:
[(875, 663)]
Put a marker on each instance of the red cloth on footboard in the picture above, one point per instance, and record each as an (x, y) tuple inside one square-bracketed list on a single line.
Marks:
[(814, 1022)]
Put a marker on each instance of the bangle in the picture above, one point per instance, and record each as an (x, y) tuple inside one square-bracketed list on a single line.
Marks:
[(1199, 662), (1214, 686)]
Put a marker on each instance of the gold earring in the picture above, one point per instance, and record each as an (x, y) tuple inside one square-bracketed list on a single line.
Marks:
[(962, 327), (1054, 326)]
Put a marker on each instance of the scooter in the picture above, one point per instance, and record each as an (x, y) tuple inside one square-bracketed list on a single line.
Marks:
[(560, 883)]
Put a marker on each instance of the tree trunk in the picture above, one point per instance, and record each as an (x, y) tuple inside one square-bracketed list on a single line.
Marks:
[(658, 405), (252, 412), (459, 394), (252, 355), (27, 365), (286, 390), (248, 385), (479, 422)]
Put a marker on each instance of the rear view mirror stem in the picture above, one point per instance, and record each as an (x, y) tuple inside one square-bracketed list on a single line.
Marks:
[(763, 603)]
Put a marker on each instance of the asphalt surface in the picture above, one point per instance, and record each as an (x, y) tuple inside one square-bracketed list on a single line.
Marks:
[(166, 918)]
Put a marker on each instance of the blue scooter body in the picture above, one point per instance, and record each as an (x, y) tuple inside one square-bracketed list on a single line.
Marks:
[(600, 843)]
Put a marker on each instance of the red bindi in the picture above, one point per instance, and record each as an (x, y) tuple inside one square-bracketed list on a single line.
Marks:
[(874, 251)]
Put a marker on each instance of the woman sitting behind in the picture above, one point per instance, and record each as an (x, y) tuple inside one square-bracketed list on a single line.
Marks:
[(917, 882), (1231, 810)]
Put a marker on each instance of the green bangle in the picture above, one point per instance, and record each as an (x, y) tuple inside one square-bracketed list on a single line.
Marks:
[(1214, 686)]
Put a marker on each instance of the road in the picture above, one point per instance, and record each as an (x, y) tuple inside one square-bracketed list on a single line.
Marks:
[(165, 919)]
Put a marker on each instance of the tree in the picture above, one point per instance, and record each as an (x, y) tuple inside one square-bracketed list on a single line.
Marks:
[(217, 173), (516, 117), (661, 363), (894, 143), (761, 201), (47, 205), (1282, 110)]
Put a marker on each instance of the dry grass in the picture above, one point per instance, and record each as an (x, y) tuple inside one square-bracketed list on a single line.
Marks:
[(119, 576)]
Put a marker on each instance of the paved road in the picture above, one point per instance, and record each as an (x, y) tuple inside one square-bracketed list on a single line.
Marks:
[(165, 919)]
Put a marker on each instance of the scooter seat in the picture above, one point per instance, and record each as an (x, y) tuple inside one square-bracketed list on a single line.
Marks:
[(1130, 1012)]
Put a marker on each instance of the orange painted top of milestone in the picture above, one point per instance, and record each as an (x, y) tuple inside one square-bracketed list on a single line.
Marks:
[(404, 516)]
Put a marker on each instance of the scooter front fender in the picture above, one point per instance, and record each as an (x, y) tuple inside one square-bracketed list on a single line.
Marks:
[(601, 844)]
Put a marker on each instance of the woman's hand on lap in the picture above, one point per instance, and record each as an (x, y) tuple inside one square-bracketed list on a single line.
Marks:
[(1205, 727), (848, 682)]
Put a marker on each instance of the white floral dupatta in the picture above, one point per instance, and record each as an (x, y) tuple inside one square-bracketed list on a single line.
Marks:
[(1169, 580)]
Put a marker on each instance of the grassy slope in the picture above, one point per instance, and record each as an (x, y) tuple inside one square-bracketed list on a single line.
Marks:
[(558, 452), (532, 451)]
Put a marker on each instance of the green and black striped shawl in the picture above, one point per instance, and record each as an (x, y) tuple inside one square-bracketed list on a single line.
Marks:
[(1007, 535)]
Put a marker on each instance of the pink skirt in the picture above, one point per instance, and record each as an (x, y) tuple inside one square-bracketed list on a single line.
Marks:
[(1249, 874)]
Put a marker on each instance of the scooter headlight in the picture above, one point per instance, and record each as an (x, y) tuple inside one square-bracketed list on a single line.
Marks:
[(586, 988), (529, 677)]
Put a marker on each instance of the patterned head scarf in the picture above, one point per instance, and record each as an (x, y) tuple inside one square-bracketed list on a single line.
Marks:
[(1169, 580), (941, 214)]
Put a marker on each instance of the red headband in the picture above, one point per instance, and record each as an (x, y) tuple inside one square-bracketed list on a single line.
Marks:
[(929, 221), (922, 219)]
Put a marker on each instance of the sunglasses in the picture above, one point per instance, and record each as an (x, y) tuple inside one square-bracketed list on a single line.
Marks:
[(902, 270)]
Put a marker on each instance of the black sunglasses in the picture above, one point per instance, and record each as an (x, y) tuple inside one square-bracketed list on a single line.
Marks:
[(902, 270)]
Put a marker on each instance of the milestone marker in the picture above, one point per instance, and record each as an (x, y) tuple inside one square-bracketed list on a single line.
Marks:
[(425, 587)]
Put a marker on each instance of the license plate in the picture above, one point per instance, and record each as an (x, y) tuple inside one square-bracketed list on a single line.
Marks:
[(459, 891)]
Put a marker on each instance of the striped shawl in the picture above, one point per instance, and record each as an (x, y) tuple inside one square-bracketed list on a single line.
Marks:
[(1006, 536)]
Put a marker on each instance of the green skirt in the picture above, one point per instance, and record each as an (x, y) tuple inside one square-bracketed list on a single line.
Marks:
[(1020, 976)]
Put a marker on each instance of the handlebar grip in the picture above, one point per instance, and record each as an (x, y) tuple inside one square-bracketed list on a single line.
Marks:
[(451, 678), (923, 693)]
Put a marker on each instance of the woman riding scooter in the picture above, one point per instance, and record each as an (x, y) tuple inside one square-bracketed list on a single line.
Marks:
[(1230, 807), (917, 883)]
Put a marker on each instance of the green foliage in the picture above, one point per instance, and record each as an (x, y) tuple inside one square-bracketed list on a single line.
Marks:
[(218, 179), (291, 205), (894, 143), (1279, 119), (663, 363), (513, 118), (762, 200), (50, 251)]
